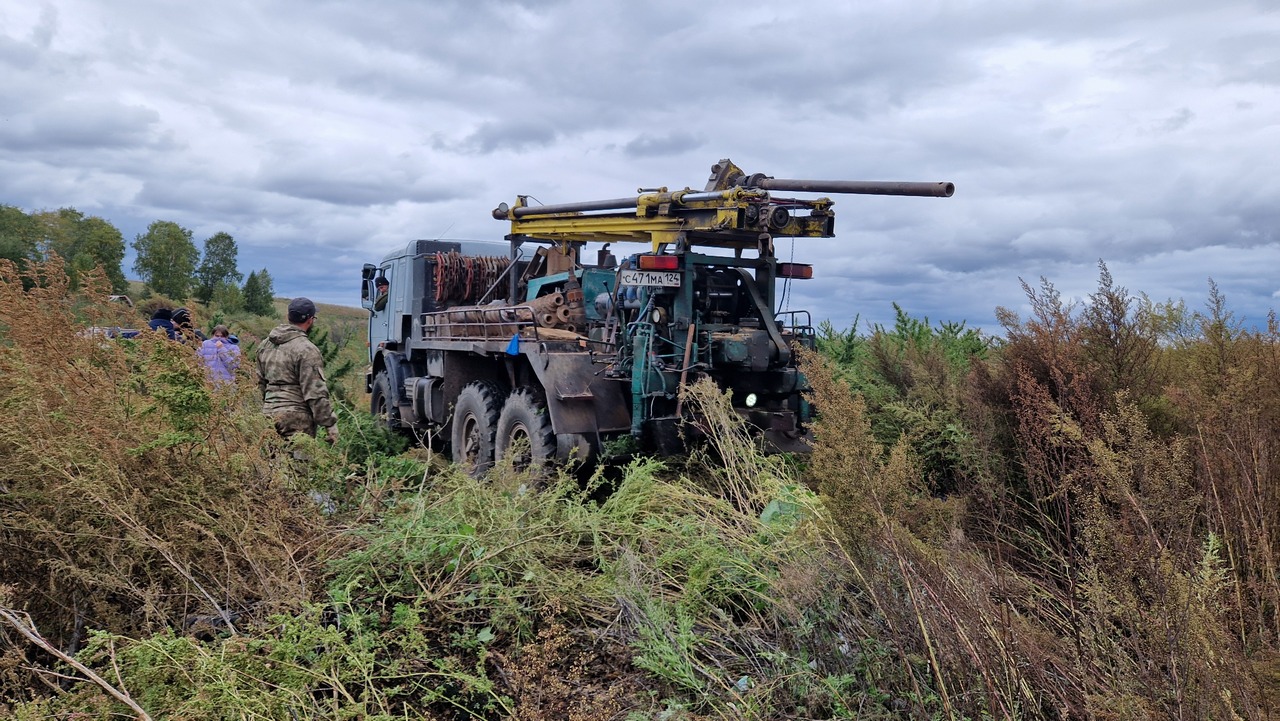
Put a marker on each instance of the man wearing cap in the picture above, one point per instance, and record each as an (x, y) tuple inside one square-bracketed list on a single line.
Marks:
[(291, 377), (184, 329)]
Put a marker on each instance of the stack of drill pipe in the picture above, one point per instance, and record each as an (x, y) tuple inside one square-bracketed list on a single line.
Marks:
[(548, 302), (496, 320), (438, 324), (545, 309), (470, 322)]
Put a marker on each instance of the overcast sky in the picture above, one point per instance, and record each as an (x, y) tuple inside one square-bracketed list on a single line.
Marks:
[(323, 134)]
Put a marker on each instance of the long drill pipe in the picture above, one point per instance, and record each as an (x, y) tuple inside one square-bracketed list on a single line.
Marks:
[(861, 187), (613, 204)]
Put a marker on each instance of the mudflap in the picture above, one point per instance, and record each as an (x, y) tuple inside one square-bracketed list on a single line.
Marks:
[(573, 448), (579, 401)]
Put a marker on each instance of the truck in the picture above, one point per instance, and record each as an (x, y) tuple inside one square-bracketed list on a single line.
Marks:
[(531, 351)]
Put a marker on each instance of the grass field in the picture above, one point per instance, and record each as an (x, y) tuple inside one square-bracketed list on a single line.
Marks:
[(1072, 521)]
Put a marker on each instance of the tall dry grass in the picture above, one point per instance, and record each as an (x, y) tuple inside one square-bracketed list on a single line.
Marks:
[(1077, 522), (134, 496), (1111, 553)]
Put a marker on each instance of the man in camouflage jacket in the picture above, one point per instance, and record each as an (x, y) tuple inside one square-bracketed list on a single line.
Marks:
[(291, 377)]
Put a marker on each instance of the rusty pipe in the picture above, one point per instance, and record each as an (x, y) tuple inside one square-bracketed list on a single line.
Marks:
[(679, 197), (502, 212)]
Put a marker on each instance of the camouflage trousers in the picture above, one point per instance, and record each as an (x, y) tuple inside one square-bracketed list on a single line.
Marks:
[(291, 423)]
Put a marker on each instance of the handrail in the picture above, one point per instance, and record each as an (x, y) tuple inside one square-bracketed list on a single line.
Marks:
[(478, 323)]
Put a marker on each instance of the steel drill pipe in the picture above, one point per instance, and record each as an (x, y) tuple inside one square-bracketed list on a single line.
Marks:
[(859, 187)]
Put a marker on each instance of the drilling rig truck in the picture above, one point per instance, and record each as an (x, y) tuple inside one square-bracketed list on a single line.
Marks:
[(526, 349)]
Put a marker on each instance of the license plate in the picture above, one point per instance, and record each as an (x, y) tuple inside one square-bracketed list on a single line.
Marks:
[(660, 278)]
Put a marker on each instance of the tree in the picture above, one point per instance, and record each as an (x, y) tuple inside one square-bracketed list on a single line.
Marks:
[(229, 297), (101, 244), (18, 236), (83, 242), (218, 268), (166, 258), (57, 229), (336, 370), (258, 294)]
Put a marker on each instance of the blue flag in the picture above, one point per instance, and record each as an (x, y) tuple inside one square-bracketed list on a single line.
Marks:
[(513, 348)]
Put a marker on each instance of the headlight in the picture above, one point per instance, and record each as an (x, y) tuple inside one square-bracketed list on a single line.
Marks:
[(751, 400)]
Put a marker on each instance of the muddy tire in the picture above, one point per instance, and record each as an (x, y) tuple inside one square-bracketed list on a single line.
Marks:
[(475, 419), (524, 431), (380, 404)]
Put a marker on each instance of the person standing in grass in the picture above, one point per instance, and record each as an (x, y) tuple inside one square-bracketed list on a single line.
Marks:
[(184, 328), (291, 377), (221, 355), (162, 320)]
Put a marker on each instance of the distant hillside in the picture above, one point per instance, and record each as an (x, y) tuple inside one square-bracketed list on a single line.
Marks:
[(328, 310), (137, 291)]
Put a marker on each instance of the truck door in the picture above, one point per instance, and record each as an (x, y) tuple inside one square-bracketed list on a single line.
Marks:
[(380, 326)]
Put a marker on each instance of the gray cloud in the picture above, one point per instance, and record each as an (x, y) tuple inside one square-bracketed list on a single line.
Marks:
[(323, 135), (673, 143), (70, 128), (511, 135)]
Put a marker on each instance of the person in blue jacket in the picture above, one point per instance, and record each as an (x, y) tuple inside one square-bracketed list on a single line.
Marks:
[(162, 319)]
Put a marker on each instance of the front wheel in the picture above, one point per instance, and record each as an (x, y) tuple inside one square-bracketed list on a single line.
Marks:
[(380, 404), (524, 430), (475, 417)]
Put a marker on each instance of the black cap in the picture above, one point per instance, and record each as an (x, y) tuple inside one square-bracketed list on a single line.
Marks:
[(181, 315), (381, 281), (162, 314), (300, 309)]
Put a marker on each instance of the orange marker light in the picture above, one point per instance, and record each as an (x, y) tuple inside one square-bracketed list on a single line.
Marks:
[(659, 262), (800, 271)]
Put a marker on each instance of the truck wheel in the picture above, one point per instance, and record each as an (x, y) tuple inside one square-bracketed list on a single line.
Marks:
[(475, 417), (524, 429), (380, 404)]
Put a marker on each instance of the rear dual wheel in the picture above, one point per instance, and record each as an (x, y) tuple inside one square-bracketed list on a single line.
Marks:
[(524, 433), (475, 420)]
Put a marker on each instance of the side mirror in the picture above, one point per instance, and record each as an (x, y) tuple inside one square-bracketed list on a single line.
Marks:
[(366, 282)]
